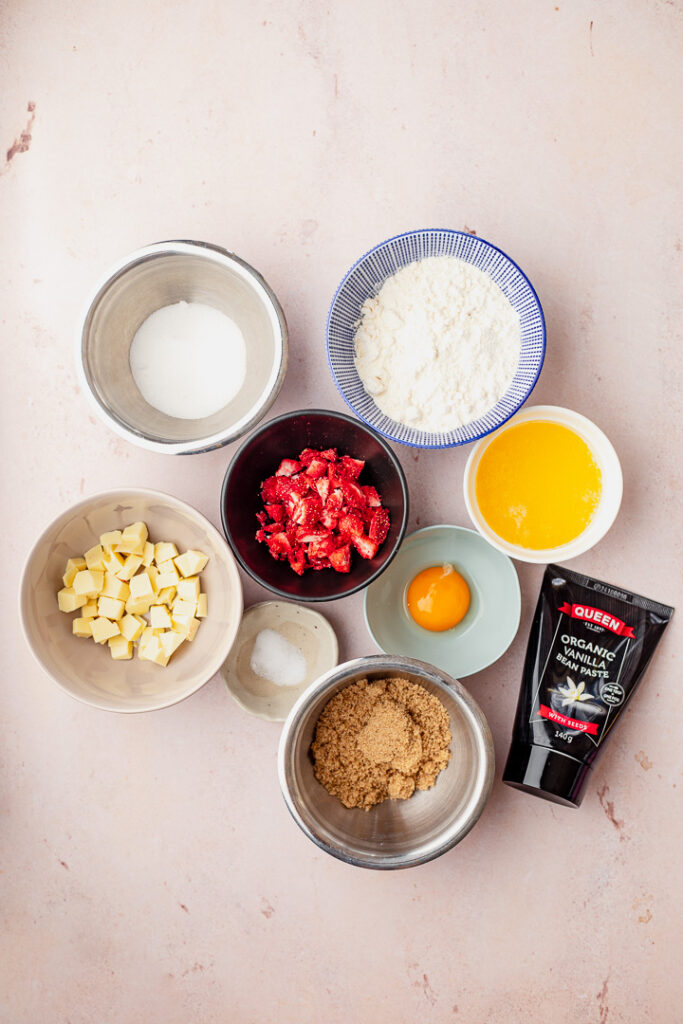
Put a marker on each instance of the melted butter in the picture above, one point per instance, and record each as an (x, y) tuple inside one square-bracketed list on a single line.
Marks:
[(538, 485)]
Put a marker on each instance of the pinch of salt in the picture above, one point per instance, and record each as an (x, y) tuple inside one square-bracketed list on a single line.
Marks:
[(275, 659)]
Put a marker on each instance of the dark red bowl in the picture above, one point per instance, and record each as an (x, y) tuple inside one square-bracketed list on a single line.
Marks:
[(259, 457)]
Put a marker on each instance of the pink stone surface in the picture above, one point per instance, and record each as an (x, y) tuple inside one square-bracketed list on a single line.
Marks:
[(149, 871)]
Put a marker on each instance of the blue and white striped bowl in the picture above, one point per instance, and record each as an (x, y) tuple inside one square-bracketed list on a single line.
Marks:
[(364, 280)]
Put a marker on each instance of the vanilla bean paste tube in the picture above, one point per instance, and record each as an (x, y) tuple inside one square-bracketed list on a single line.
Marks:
[(589, 646)]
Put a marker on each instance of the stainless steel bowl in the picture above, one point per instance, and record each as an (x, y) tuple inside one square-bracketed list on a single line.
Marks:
[(397, 833), (157, 276)]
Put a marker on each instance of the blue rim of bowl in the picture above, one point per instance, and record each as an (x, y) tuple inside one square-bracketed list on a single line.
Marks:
[(408, 234), (393, 458), (467, 529)]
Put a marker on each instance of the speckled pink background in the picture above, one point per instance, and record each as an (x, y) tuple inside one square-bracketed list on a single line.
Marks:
[(149, 871)]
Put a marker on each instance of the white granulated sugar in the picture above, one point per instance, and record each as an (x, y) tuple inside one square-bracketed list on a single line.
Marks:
[(439, 344), (275, 659)]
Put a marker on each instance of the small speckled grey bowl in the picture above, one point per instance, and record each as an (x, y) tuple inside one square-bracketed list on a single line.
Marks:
[(396, 833), (160, 275)]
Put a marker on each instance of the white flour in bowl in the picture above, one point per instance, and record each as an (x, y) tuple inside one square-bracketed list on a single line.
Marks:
[(438, 345)]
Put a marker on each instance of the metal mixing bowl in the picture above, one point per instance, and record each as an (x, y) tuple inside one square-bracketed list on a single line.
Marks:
[(396, 833), (159, 275)]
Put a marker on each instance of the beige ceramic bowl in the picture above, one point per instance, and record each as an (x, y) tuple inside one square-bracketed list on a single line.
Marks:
[(303, 627), (86, 670)]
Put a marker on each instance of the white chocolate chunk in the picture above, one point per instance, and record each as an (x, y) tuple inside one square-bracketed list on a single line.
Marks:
[(114, 587), (89, 582), (170, 641), (148, 554), (188, 589), (89, 610), (120, 648), (131, 627), (130, 567), (103, 629), (159, 617), (202, 606), (73, 566), (94, 556), (141, 586), (133, 539), (111, 539), (191, 562), (81, 627), (110, 608), (164, 552), (69, 601)]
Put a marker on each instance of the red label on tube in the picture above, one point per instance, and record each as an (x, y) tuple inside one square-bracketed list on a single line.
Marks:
[(569, 723)]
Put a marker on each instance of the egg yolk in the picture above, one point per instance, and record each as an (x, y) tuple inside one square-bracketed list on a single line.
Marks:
[(438, 598)]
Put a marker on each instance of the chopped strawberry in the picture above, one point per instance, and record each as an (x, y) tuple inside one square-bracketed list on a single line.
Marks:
[(350, 468), (353, 494), (269, 490), (297, 560), (323, 488), (350, 526), (329, 520), (288, 467), (372, 498), (308, 511), (279, 545), (277, 512), (379, 528), (341, 559), (317, 468), (315, 511), (365, 547), (322, 548)]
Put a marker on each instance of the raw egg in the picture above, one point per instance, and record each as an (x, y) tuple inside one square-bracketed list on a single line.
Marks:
[(438, 598)]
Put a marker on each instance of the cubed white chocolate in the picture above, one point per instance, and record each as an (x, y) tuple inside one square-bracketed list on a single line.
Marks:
[(110, 607), (188, 589), (131, 627), (82, 627), (114, 587), (113, 563), (164, 551), (165, 595), (103, 629), (159, 617), (191, 562), (111, 539), (89, 610), (202, 606), (69, 601), (73, 566), (170, 641), (89, 582), (133, 539), (141, 586), (140, 605), (120, 648), (130, 567)]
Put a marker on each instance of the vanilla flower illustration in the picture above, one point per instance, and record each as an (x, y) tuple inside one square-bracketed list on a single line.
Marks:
[(573, 694)]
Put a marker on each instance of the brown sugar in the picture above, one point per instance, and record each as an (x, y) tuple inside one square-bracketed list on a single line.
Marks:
[(380, 740)]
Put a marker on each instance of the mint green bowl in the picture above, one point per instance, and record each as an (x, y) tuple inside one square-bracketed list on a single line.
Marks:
[(491, 622)]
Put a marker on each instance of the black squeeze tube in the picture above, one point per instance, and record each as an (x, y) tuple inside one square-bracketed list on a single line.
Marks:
[(589, 646)]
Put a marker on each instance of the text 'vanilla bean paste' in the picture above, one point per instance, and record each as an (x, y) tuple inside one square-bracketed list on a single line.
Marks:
[(589, 646)]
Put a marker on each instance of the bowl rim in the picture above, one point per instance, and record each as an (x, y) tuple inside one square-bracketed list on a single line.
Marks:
[(225, 257), (475, 717), (214, 662), (329, 632), (466, 529), (611, 503), (435, 231), (393, 458)]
